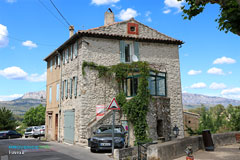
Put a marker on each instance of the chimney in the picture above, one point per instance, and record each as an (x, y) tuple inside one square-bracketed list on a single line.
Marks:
[(108, 17), (71, 31)]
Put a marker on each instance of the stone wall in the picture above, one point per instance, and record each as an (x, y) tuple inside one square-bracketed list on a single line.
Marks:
[(175, 149)]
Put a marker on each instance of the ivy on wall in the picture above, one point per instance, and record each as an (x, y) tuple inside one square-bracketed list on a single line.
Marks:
[(137, 107)]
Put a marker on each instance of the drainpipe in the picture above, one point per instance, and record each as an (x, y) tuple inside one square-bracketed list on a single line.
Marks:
[(60, 100)]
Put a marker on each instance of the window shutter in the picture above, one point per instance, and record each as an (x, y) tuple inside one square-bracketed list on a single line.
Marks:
[(67, 53), (136, 49), (56, 57), (59, 59), (76, 49), (122, 51), (70, 89), (66, 88), (75, 86), (62, 89), (71, 52), (63, 58)]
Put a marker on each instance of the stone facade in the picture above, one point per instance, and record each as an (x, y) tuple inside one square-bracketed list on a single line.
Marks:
[(99, 46), (191, 120)]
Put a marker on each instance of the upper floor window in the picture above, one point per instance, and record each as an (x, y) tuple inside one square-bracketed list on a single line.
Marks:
[(57, 94), (66, 56), (50, 94), (129, 51), (75, 49), (157, 84)]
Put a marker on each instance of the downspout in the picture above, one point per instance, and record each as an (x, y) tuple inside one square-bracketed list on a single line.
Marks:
[(60, 99)]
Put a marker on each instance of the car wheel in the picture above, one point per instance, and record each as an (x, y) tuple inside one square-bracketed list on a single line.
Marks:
[(26, 136), (93, 150), (35, 136)]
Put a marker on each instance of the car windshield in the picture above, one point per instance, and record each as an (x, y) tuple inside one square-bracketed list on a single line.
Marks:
[(3, 131), (108, 129), (28, 129)]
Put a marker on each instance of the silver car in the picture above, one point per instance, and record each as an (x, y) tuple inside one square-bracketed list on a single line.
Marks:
[(42, 130), (33, 131)]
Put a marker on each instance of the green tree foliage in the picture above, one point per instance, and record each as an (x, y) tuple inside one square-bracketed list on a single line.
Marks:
[(217, 119), (233, 117), (35, 116), (7, 121), (229, 16)]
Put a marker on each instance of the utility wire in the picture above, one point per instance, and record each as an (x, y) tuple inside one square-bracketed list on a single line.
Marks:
[(21, 40), (51, 12), (60, 13)]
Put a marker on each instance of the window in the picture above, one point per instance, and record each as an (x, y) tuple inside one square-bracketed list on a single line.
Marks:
[(71, 52), (56, 58), (50, 94), (57, 94), (50, 65), (75, 49), (129, 51), (59, 59), (130, 86), (62, 90), (63, 57), (50, 121), (157, 84)]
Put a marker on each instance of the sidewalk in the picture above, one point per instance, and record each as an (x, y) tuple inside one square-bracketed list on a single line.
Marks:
[(230, 152)]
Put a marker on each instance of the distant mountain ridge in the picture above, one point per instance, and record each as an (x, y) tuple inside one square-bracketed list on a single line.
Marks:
[(34, 95), (195, 100)]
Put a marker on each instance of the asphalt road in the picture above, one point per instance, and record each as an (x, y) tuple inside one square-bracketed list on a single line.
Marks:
[(38, 150)]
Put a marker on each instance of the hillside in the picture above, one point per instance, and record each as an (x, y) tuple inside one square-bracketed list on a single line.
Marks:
[(195, 100)]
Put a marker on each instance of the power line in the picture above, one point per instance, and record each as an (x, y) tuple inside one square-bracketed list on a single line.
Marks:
[(21, 40), (51, 12), (60, 13)]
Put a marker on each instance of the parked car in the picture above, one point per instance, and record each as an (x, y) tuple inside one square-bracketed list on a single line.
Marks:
[(33, 131), (102, 138), (10, 134), (42, 130)]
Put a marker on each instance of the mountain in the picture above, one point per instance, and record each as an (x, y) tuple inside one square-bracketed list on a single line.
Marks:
[(21, 105), (195, 100)]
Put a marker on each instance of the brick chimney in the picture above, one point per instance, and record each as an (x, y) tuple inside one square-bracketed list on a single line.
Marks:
[(109, 17), (71, 31)]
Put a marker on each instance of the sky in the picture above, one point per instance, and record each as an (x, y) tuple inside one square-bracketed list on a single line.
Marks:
[(31, 29)]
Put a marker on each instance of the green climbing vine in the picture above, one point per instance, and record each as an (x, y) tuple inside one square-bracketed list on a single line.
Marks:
[(137, 107)]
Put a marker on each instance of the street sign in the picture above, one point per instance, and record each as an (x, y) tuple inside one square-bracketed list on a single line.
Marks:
[(113, 105)]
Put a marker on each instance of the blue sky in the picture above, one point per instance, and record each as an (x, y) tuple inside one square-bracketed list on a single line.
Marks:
[(209, 59)]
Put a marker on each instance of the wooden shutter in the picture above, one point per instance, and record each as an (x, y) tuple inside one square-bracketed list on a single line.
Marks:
[(75, 86), (70, 89), (122, 51), (136, 49), (67, 54), (66, 88), (59, 59), (62, 90), (71, 52), (76, 49)]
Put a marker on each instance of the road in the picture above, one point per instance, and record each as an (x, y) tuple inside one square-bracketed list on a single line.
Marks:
[(38, 150)]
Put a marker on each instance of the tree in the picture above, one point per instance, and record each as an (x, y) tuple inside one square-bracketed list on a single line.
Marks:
[(233, 116), (35, 116), (229, 17), (7, 121)]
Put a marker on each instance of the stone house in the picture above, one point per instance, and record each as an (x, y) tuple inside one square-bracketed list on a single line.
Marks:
[(72, 98)]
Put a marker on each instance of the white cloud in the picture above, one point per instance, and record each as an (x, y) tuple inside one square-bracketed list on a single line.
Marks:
[(215, 70), (29, 44), (16, 73), (194, 72), (167, 11), (104, 2), (198, 85), (127, 14), (224, 60), (215, 85), (231, 93), (3, 36), (37, 77), (147, 15), (13, 73), (10, 97), (11, 1)]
